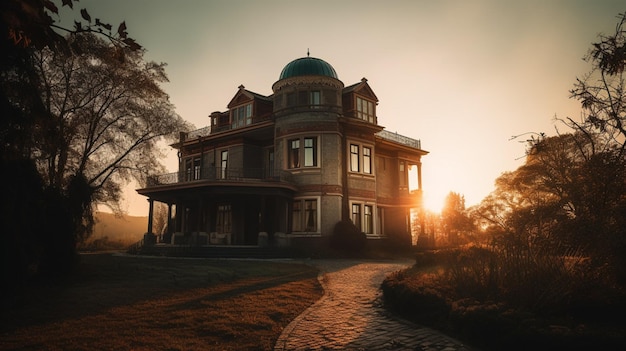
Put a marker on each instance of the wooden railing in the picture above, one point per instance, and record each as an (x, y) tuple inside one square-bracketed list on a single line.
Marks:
[(220, 174)]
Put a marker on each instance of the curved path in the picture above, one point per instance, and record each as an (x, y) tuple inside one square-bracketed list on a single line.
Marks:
[(350, 315)]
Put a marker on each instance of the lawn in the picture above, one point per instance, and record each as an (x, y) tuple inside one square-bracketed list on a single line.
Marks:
[(140, 303)]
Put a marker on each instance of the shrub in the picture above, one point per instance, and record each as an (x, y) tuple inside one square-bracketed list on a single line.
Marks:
[(513, 300), (347, 237), (419, 297)]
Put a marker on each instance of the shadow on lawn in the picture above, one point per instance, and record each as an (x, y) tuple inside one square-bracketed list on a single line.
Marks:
[(106, 281)]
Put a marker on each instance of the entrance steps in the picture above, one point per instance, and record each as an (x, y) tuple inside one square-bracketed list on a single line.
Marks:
[(215, 251)]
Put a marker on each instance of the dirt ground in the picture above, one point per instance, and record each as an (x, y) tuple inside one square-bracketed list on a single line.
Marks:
[(136, 303)]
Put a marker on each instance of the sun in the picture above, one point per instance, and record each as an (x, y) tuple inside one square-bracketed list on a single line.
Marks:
[(433, 201), (433, 196)]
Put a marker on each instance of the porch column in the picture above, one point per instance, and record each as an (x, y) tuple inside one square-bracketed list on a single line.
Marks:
[(149, 239), (419, 175), (150, 215), (169, 218)]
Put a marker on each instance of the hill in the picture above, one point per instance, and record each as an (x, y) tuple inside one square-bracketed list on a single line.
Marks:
[(113, 231)]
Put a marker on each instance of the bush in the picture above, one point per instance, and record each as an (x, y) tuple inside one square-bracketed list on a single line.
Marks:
[(420, 299), (347, 237), (511, 300)]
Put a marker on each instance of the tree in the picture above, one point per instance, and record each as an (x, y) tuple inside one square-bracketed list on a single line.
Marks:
[(51, 185), (106, 117), (454, 219), (602, 95)]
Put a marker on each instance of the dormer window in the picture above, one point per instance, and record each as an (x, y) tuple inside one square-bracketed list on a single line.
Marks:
[(241, 116), (365, 110)]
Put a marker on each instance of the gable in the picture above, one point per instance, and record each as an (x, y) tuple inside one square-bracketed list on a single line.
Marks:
[(366, 91), (242, 97), (362, 89)]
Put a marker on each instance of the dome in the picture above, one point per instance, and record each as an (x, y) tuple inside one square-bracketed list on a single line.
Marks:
[(308, 66)]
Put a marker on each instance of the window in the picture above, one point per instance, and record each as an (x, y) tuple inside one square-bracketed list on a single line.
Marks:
[(223, 220), (310, 215), (296, 215), (196, 168), (365, 110), (241, 116), (224, 164), (367, 160), (315, 99), (368, 219), (308, 154), (356, 215), (188, 167), (193, 168), (354, 158), (294, 153), (304, 215), (403, 175), (360, 154)]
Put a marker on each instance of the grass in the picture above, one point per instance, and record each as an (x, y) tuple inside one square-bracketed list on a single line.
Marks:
[(131, 303)]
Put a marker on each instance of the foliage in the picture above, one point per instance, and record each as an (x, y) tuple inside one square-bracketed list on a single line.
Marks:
[(454, 219), (31, 23), (564, 198), (601, 93), (54, 138), (497, 299), (553, 274), (106, 116)]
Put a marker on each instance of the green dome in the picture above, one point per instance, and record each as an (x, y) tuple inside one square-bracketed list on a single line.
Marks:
[(308, 66)]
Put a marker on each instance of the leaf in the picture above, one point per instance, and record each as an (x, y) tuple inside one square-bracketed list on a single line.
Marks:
[(132, 44), (86, 17), (68, 3), (121, 30), (51, 6)]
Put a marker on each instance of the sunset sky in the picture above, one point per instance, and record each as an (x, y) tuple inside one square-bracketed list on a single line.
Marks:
[(462, 76)]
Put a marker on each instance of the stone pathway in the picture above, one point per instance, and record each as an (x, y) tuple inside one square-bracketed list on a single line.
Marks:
[(350, 315)]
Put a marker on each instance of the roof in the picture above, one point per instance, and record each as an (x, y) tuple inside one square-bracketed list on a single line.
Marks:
[(308, 66)]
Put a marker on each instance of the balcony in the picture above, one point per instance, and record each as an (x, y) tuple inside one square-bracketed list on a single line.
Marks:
[(400, 139), (206, 131), (219, 174)]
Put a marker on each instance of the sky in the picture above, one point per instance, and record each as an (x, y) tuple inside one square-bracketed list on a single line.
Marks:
[(462, 76)]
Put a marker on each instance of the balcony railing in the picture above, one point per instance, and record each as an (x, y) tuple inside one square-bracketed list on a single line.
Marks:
[(220, 174), (401, 139), (199, 133), (222, 128)]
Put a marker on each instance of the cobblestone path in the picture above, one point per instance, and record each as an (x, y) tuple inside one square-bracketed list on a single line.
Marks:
[(350, 315)]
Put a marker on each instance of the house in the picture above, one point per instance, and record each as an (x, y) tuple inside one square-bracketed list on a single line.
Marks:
[(286, 168)]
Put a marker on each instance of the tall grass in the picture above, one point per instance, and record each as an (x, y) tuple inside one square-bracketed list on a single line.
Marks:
[(512, 298), (522, 277)]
